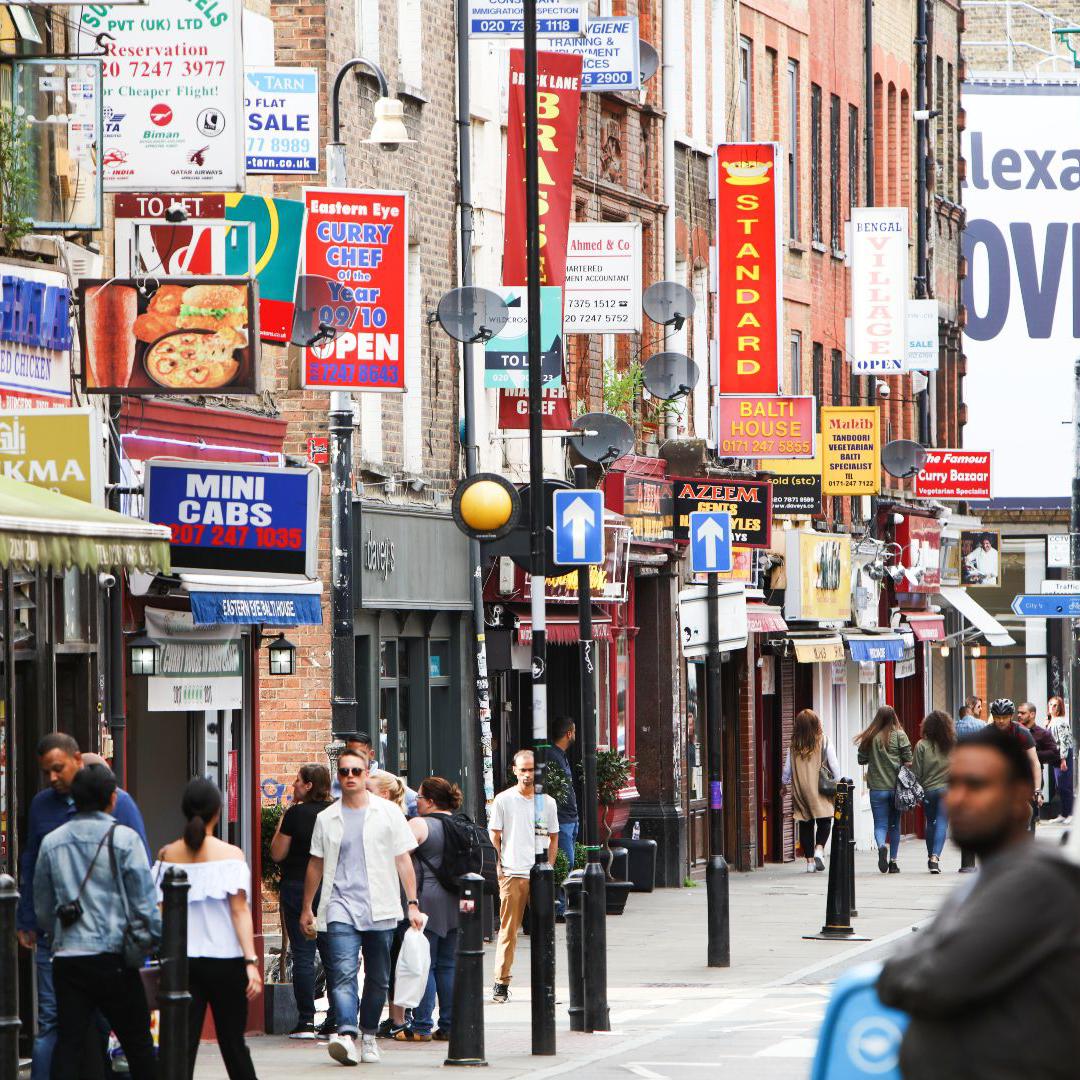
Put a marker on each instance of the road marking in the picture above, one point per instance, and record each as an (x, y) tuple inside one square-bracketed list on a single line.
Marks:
[(790, 1048), (646, 1074)]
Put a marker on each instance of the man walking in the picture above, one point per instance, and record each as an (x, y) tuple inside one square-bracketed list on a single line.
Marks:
[(563, 734), (1046, 748), (60, 760), (514, 830), (359, 853), (990, 999)]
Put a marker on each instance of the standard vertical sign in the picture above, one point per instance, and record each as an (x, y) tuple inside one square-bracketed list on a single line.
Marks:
[(851, 450), (879, 289), (603, 278), (558, 80), (173, 94), (282, 111), (359, 241), (749, 265)]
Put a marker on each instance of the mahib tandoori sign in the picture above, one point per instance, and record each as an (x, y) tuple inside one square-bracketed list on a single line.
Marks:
[(851, 450)]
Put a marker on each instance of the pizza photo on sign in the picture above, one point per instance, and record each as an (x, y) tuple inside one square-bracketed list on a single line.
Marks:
[(169, 336)]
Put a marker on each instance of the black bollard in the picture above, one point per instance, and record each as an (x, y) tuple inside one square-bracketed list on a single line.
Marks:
[(575, 949), (9, 979), (542, 956), (719, 911), (594, 923), (173, 996), (838, 901), (467, 1027), (852, 906)]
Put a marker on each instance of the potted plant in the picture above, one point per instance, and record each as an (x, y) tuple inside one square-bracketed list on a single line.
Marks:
[(612, 776), (278, 999)]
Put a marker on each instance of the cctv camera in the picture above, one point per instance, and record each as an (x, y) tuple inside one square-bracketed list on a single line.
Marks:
[(883, 389), (106, 581)]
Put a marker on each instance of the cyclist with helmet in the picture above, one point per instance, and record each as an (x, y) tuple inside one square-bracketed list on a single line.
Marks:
[(1002, 712)]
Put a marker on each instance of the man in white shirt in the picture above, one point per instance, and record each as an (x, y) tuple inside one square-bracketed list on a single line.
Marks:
[(359, 852), (981, 564), (513, 830)]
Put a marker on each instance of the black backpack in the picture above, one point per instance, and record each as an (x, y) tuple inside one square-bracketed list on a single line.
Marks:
[(467, 849)]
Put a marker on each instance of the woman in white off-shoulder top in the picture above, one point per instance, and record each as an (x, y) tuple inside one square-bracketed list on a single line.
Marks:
[(222, 966)]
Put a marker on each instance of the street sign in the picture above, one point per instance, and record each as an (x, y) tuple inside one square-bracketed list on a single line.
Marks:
[(579, 527), (1036, 606), (710, 542), (1051, 588), (1057, 550)]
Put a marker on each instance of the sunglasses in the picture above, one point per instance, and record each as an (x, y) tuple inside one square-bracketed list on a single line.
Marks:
[(351, 770)]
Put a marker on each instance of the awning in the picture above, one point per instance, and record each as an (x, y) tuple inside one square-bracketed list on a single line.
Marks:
[(876, 648), (263, 600), (977, 615), (40, 528), (818, 650), (763, 619), (561, 626), (925, 627)]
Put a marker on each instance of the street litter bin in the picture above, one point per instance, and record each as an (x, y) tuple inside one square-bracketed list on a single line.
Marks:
[(641, 863)]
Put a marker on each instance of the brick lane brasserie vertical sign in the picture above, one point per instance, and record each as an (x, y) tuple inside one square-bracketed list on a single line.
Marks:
[(851, 450), (749, 264)]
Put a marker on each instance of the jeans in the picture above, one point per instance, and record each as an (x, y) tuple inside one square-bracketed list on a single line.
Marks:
[(568, 831), (345, 944), (440, 982), (221, 984), (937, 823), (1063, 779), (886, 821), (45, 1041), (303, 951)]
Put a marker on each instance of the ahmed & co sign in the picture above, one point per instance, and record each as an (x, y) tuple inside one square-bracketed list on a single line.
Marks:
[(749, 264)]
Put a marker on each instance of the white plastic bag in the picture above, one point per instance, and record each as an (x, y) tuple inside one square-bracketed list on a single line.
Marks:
[(411, 973)]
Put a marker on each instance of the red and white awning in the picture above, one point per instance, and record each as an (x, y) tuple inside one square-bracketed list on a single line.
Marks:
[(925, 626), (763, 619)]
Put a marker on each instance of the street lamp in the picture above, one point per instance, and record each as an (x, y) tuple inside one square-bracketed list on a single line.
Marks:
[(388, 132)]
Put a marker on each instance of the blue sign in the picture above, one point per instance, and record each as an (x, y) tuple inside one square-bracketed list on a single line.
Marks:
[(1046, 606), (282, 109), (236, 518), (579, 528), (270, 609), (610, 54), (876, 650), (710, 542), (506, 18)]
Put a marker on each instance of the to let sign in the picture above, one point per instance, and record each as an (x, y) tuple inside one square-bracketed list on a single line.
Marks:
[(954, 474), (749, 502), (773, 427)]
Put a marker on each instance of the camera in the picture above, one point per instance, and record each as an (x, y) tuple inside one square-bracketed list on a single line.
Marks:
[(69, 914)]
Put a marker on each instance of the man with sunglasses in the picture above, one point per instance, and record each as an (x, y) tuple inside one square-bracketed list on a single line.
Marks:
[(359, 852)]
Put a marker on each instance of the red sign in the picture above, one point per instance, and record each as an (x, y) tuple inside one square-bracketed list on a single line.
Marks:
[(558, 81), (954, 474), (318, 449), (920, 554), (160, 115), (749, 265), (766, 427), (359, 240), (554, 409)]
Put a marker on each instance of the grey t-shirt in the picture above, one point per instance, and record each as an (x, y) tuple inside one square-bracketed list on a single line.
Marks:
[(350, 899)]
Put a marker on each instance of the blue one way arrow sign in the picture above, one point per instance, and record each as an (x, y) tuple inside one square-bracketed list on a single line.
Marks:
[(710, 542), (1040, 606), (579, 527)]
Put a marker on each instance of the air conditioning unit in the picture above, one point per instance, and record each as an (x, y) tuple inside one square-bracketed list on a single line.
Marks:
[(82, 262)]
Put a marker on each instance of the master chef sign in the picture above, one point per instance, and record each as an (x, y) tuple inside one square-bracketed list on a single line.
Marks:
[(749, 265)]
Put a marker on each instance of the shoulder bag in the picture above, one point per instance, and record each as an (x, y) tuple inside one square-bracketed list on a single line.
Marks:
[(826, 782), (908, 792), (138, 937)]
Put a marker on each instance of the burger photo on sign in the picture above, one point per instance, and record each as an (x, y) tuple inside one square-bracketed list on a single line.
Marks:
[(173, 335)]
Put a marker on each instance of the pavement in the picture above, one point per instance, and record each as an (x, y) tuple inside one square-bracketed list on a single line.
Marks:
[(671, 1015)]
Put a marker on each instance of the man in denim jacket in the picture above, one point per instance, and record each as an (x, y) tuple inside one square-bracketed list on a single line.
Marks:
[(77, 897)]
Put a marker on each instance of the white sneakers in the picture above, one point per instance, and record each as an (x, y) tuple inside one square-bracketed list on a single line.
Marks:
[(342, 1049), (369, 1051)]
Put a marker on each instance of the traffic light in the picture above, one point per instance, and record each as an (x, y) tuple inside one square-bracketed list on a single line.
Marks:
[(486, 506)]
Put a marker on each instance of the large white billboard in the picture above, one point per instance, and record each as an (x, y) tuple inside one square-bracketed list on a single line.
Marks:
[(1022, 292)]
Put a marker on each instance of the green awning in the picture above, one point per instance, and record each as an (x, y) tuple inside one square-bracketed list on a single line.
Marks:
[(40, 528)]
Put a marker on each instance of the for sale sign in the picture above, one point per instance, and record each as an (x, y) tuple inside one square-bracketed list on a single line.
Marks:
[(358, 241), (954, 474), (282, 107)]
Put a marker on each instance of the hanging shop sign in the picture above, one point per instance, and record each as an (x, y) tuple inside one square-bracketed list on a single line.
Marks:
[(876, 648), (850, 450), (268, 607), (879, 289), (603, 277), (169, 336), (57, 449), (607, 580), (360, 241), (920, 553), (950, 560), (506, 355), (198, 667), (230, 519), (610, 53), (506, 18), (648, 507), (922, 335), (173, 94), (35, 336), (742, 569), (554, 409), (558, 82), (749, 266), (905, 667), (282, 111), (749, 503), (818, 578), (796, 483), (954, 474), (760, 427), (980, 557)]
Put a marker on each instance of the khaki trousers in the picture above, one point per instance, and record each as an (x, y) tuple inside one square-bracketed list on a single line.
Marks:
[(513, 896)]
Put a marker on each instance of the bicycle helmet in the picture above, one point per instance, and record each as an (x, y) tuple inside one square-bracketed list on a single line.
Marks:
[(1003, 706)]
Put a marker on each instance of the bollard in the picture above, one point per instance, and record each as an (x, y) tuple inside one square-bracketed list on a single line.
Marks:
[(594, 926), (575, 949), (9, 979), (467, 1026), (542, 956), (719, 911), (852, 906), (173, 996), (838, 901)]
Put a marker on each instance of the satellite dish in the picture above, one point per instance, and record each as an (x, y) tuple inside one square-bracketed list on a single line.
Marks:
[(320, 310), (648, 60), (609, 440), (472, 314), (668, 303), (670, 375), (902, 458)]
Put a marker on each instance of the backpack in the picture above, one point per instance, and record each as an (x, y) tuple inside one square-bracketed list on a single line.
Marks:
[(908, 792), (467, 849)]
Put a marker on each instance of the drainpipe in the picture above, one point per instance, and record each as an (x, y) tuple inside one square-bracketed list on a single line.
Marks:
[(667, 100)]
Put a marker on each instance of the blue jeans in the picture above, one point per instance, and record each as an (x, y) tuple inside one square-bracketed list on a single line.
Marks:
[(47, 1034), (345, 943), (568, 831), (1063, 779), (886, 821), (937, 823), (440, 982), (303, 951)]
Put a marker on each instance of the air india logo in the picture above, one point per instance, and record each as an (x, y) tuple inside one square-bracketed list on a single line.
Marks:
[(746, 173)]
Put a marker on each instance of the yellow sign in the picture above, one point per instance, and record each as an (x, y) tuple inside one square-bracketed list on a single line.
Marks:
[(821, 591), (851, 450), (51, 448)]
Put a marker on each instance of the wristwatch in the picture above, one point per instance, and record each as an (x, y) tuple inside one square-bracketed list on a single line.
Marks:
[(251, 960), (412, 902)]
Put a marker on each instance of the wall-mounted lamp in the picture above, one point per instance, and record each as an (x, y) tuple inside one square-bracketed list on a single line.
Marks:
[(144, 654), (946, 649), (282, 654), (976, 652)]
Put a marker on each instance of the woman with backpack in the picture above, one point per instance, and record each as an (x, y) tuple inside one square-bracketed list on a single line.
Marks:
[(932, 771), (883, 748), (811, 791)]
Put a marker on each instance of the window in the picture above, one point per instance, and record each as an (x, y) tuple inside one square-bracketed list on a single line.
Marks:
[(835, 231), (746, 71), (837, 360), (856, 396), (772, 74), (410, 43), (698, 70), (394, 705), (818, 376), (793, 148), (795, 363), (816, 231), (367, 29), (853, 156), (940, 126)]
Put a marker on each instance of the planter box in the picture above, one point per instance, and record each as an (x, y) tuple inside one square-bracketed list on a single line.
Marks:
[(617, 893)]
